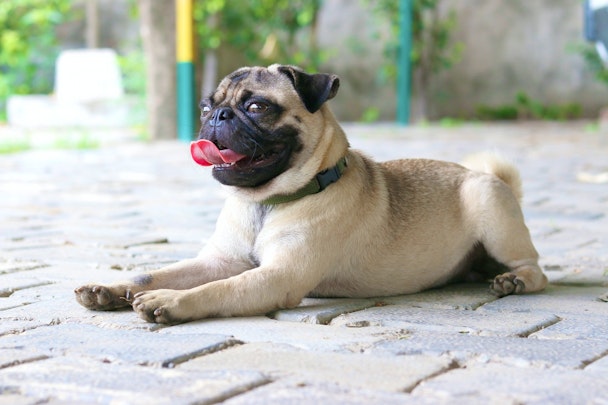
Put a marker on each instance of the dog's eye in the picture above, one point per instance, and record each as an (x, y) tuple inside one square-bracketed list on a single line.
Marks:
[(257, 107), (205, 110)]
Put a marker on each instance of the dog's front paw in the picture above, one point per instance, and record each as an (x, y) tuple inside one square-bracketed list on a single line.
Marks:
[(160, 306), (507, 283), (102, 298)]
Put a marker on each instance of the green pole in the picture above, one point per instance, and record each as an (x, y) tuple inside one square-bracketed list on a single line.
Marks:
[(185, 101), (405, 63), (185, 70)]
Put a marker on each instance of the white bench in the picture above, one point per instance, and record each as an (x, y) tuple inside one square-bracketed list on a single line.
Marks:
[(88, 92)]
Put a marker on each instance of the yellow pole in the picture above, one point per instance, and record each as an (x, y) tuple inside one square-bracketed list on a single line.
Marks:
[(184, 30), (185, 70)]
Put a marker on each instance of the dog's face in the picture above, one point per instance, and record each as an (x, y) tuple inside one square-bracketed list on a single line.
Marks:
[(260, 120)]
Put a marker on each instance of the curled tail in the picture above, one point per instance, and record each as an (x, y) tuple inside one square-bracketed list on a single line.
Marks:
[(493, 163)]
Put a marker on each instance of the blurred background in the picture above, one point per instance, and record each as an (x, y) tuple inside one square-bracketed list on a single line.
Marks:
[(471, 60)]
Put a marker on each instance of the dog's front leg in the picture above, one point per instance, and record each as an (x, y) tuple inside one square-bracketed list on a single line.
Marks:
[(253, 292), (184, 274)]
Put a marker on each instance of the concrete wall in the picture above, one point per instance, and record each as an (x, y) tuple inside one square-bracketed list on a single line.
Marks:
[(518, 45), (509, 46), (355, 39)]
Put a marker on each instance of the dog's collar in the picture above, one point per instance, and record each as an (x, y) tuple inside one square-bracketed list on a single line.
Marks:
[(316, 185)]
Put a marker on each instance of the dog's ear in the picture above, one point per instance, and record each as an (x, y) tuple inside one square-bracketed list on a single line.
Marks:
[(313, 89)]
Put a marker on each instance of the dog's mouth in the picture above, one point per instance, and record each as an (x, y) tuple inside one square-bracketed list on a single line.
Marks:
[(249, 164), (208, 153)]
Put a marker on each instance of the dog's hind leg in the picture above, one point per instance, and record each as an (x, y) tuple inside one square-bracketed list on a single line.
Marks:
[(495, 211)]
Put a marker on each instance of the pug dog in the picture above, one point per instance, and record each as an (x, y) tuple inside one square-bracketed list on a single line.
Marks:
[(308, 216)]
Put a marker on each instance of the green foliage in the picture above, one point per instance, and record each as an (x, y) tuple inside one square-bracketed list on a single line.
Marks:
[(592, 127), (370, 115), (53, 139), (133, 72), (265, 31), (449, 122), (79, 140), (8, 146), (593, 61), (553, 112), (526, 108), (501, 113), (432, 47), (28, 45)]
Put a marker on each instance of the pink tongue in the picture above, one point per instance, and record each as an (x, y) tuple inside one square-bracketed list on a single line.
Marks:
[(205, 153)]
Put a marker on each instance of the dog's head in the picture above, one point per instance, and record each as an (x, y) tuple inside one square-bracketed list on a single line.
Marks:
[(263, 123)]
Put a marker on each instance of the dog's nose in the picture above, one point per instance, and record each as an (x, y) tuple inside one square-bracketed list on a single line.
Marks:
[(220, 115)]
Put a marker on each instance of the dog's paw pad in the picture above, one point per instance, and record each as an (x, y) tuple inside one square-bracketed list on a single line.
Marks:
[(98, 297), (506, 284), (159, 306)]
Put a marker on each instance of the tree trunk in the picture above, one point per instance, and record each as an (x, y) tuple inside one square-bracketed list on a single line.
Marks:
[(157, 19), (210, 66), (92, 24)]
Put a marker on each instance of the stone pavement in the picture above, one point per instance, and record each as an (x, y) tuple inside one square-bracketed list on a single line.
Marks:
[(68, 217)]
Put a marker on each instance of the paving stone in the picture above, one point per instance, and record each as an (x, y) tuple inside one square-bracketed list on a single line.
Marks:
[(563, 301), (19, 355), (62, 308), (12, 284), (130, 346), (14, 266), (508, 350), (49, 304), (8, 303), (567, 239), (599, 366), (455, 321), (457, 296), (581, 268), (289, 392), (593, 327), (311, 337), (136, 240), (27, 246), (56, 305), (62, 380), (584, 271), (498, 383), (321, 311), (85, 214), (8, 398), (17, 325), (567, 214), (357, 371)]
